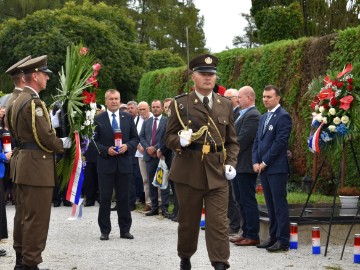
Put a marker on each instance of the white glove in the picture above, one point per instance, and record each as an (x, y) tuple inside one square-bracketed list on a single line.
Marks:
[(66, 142), (230, 172), (185, 137), (55, 122)]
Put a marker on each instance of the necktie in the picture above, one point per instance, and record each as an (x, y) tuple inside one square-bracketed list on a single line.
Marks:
[(240, 114), (114, 123), (206, 103), (268, 117), (153, 133)]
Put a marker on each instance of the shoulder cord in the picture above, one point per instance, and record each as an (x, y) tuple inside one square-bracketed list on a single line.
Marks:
[(34, 126), (201, 131)]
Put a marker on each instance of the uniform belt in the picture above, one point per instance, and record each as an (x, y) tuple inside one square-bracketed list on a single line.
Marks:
[(199, 147), (29, 146)]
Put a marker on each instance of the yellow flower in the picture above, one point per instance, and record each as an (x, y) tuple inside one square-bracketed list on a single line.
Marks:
[(345, 119), (337, 120)]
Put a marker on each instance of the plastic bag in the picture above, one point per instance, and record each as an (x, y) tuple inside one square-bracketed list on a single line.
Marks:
[(161, 175)]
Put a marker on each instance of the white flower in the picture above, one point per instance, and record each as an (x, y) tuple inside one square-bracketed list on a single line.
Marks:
[(321, 109), (337, 93), (332, 128), (332, 111), (319, 118), (82, 127), (316, 107), (324, 120), (87, 123), (88, 114), (345, 119), (337, 120), (93, 105)]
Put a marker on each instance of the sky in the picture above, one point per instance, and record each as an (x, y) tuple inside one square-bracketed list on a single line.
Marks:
[(223, 21)]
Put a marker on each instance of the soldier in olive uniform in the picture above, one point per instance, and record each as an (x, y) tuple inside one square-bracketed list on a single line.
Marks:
[(201, 132), (35, 165)]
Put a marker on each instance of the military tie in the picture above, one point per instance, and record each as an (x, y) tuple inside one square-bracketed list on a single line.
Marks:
[(206, 103), (268, 117), (114, 123)]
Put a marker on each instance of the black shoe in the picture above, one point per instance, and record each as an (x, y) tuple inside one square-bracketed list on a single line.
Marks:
[(132, 207), (56, 204), (165, 213), (2, 252), (127, 236), (175, 219), (114, 208), (266, 244), (154, 212), (104, 237), (87, 204), (18, 262), (67, 203), (171, 216), (185, 264), (25, 267), (220, 266), (278, 247)]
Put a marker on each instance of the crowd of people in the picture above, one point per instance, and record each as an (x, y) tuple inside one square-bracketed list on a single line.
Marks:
[(215, 143)]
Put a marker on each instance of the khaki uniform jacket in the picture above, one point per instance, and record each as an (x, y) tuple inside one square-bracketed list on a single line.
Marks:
[(187, 166), (35, 167), (8, 109)]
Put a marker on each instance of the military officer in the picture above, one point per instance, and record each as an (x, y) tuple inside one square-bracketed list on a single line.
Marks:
[(201, 132), (34, 172)]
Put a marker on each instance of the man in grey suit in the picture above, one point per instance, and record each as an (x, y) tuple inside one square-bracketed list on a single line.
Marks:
[(244, 184), (152, 138)]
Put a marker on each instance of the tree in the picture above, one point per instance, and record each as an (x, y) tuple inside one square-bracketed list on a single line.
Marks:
[(158, 59), (106, 30), (249, 40)]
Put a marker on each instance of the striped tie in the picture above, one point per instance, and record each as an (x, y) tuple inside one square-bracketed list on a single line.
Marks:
[(268, 117)]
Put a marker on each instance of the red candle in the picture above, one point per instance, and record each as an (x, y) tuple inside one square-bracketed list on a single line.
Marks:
[(6, 140), (117, 138)]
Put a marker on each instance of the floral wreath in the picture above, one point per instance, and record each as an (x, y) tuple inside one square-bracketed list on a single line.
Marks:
[(335, 107)]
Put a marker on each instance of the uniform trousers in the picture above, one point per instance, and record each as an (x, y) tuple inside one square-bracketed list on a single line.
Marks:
[(274, 187), (216, 233), (34, 207)]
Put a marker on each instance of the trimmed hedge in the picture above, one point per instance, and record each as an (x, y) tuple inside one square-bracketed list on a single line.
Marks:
[(291, 65)]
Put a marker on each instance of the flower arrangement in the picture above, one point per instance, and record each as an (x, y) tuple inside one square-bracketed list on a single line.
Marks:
[(335, 107), (78, 98)]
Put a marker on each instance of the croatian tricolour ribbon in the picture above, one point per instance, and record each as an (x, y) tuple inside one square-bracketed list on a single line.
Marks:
[(73, 193), (314, 140)]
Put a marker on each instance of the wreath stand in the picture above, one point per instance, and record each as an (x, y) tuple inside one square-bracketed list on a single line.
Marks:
[(337, 180)]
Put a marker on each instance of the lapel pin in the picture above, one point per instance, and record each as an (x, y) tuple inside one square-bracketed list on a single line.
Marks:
[(181, 106), (271, 127)]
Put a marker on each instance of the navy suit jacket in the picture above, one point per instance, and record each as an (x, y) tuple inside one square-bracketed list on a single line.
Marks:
[(246, 129), (104, 138), (271, 146), (146, 132)]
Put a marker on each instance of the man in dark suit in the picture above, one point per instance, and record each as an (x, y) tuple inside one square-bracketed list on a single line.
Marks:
[(269, 156), (114, 166), (152, 138), (201, 132), (244, 184)]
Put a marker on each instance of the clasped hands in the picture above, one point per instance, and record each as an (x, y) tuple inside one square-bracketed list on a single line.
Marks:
[(259, 167), (121, 150)]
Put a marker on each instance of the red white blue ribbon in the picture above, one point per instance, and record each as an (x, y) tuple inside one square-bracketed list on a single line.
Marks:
[(314, 140), (73, 193)]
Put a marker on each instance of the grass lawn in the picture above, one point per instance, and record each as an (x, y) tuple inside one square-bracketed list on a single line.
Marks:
[(300, 198)]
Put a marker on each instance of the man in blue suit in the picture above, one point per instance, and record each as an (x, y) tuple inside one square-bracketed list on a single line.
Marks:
[(114, 166), (269, 156), (152, 138)]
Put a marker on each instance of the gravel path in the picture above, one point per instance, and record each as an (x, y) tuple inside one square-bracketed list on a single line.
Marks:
[(75, 245)]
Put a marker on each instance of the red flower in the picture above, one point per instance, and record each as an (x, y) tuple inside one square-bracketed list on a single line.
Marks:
[(96, 66), (89, 97), (350, 80), (350, 87), (346, 70), (84, 51), (339, 84), (345, 102), (326, 106), (333, 102), (92, 80), (326, 94)]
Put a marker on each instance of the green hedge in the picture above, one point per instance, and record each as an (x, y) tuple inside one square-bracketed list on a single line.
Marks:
[(291, 65)]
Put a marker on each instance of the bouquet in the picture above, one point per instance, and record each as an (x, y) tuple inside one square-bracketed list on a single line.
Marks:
[(335, 109), (77, 96)]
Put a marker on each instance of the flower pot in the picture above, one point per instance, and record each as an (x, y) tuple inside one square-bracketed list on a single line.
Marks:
[(348, 211), (349, 201)]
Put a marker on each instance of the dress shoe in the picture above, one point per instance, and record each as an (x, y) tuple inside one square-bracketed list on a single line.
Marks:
[(104, 236), (127, 236), (220, 266), (88, 204), (236, 239), (18, 262), (147, 208), (154, 212), (114, 208), (185, 264), (67, 203), (175, 219), (35, 267), (171, 216), (165, 213), (278, 247), (2, 252), (247, 242), (266, 244), (233, 231), (56, 204)]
